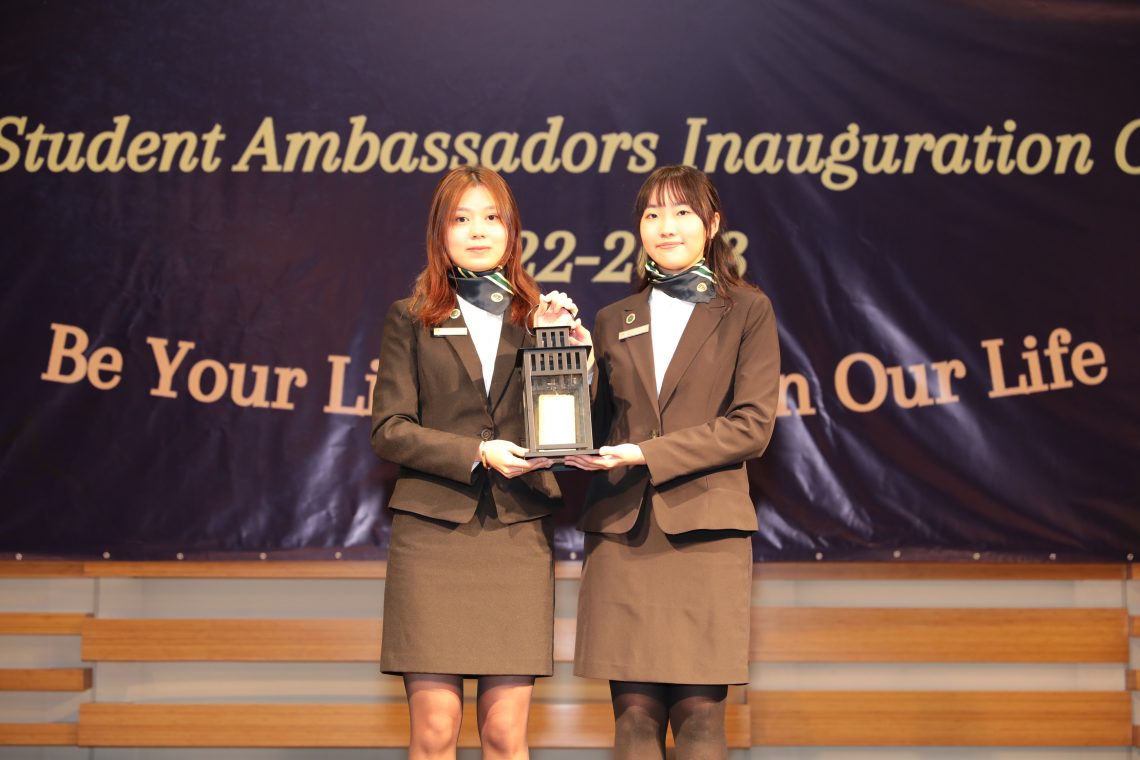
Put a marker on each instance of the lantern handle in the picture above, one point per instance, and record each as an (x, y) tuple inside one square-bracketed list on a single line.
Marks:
[(529, 320)]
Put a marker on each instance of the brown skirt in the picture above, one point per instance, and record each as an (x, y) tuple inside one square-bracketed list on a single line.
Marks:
[(665, 609), (475, 599)]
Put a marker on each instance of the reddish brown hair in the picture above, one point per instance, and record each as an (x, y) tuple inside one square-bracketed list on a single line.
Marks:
[(433, 297), (684, 184)]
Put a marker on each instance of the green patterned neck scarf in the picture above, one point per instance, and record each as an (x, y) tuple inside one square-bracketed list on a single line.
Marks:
[(490, 290), (697, 284)]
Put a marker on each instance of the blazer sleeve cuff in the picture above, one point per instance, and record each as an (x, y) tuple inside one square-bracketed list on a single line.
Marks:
[(468, 462), (656, 460)]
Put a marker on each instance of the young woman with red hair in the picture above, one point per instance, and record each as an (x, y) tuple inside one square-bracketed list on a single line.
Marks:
[(470, 587)]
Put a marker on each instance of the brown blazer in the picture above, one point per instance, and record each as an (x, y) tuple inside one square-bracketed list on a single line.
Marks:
[(430, 411), (717, 409)]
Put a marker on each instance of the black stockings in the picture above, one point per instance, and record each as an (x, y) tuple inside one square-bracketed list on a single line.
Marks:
[(642, 711)]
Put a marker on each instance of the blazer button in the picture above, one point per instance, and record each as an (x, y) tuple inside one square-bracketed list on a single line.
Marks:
[(486, 434)]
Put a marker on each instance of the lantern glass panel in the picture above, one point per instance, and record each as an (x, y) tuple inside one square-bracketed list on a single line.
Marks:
[(556, 411)]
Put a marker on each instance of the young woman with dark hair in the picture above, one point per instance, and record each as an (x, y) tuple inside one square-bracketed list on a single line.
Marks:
[(687, 378)]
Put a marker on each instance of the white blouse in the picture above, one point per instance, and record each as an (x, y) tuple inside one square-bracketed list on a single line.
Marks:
[(668, 315), (484, 329)]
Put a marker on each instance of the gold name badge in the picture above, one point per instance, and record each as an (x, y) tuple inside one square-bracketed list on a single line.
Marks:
[(635, 331), (449, 331)]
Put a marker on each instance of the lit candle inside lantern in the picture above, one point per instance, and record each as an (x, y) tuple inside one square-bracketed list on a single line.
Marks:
[(557, 416)]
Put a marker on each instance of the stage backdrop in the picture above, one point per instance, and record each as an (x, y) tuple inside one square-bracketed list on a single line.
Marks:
[(206, 209)]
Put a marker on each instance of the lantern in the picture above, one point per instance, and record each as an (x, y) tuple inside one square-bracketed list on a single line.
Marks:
[(557, 396)]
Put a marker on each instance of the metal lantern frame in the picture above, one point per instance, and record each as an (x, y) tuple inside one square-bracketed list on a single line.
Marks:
[(554, 368)]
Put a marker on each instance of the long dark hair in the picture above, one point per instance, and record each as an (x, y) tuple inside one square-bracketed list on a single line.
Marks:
[(684, 184), (433, 297)]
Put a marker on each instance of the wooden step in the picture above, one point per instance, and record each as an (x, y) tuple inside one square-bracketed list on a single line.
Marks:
[(38, 734), (159, 640), (344, 569), (818, 634), (315, 640), (932, 718), (569, 726), (939, 571), (45, 679), (805, 634), (571, 569), (41, 569), (42, 623)]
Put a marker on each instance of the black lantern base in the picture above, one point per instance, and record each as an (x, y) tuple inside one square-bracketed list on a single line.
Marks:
[(559, 454), (559, 458)]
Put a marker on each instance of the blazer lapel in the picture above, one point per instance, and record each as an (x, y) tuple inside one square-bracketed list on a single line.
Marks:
[(702, 322), (511, 339), (640, 346), (464, 348)]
